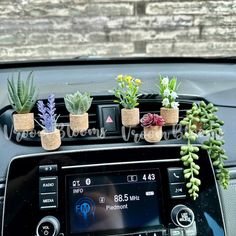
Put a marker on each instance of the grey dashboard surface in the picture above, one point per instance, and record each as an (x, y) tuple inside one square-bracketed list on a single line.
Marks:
[(215, 82)]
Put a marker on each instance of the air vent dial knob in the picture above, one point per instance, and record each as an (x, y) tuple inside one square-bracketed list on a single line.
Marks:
[(182, 216), (48, 226)]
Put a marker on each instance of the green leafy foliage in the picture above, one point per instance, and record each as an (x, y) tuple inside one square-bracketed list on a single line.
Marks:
[(167, 89), (22, 94), (127, 91), (203, 116), (78, 103)]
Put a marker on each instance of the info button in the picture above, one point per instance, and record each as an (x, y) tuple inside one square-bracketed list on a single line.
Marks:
[(48, 184)]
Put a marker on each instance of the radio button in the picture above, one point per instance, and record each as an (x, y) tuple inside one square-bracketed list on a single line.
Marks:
[(48, 200), (177, 190), (176, 175), (48, 184)]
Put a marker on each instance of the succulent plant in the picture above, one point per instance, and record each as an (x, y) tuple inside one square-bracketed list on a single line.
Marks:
[(78, 103), (47, 115), (150, 119), (22, 94), (203, 114)]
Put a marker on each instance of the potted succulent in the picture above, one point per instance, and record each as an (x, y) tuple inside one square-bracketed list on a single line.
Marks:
[(22, 97), (50, 135), (77, 105), (152, 127), (170, 110), (204, 115), (127, 93)]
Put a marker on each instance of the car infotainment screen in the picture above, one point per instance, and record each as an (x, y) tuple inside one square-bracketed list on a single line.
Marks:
[(114, 201)]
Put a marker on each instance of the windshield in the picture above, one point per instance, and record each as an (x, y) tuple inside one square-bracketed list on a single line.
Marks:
[(64, 29)]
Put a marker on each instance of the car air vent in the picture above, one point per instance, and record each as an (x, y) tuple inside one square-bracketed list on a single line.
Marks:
[(147, 103)]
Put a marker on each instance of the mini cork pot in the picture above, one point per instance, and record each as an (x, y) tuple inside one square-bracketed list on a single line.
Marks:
[(153, 134), (79, 123), (23, 122), (170, 115), (50, 141), (130, 117)]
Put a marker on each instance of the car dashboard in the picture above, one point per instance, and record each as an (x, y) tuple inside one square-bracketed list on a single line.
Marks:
[(109, 181)]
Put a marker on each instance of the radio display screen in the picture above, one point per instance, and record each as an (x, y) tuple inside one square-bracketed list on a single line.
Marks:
[(114, 201)]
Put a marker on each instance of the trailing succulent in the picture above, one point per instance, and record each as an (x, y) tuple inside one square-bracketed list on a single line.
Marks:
[(202, 118), (22, 94), (78, 103), (47, 115)]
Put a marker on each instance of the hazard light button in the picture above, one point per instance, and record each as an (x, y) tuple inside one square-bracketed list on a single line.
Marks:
[(109, 118)]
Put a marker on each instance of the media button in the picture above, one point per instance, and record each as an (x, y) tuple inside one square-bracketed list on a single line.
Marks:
[(48, 184), (48, 200)]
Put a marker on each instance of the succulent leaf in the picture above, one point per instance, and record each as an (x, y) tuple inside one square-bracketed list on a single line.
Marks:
[(78, 103), (22, 94)]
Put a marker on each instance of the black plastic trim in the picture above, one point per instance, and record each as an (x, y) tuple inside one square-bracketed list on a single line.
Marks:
[(107, 60)]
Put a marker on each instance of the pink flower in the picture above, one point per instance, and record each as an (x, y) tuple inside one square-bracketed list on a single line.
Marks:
[(158, 120), (150, 119)]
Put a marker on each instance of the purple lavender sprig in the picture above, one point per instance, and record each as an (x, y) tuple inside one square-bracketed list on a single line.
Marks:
[(47, 114)]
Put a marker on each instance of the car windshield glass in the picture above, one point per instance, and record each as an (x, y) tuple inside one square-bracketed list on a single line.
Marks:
[(62, 29)]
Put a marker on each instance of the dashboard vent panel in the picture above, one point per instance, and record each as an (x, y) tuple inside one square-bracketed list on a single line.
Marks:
[(147, 103)]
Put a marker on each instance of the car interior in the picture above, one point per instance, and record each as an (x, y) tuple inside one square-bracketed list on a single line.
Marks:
[(108, 179)]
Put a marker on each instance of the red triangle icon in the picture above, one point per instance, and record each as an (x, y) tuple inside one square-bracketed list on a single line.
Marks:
[(109, 120)]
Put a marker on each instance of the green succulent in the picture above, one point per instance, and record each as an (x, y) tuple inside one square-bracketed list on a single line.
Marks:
[(78, 103), (22, 94), (203, 114)]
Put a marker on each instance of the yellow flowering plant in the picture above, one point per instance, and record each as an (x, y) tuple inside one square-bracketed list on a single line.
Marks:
[(127, 91)]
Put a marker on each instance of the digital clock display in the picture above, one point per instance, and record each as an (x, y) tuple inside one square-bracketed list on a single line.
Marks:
[(114, 201)]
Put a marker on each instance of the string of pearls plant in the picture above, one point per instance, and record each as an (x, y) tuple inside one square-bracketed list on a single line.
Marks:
[(202, 118)]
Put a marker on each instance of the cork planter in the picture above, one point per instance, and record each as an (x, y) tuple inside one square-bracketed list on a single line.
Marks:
[(50, 141), (170, 115), (23, 122), (153, 134), (130, 117), (79, 123)]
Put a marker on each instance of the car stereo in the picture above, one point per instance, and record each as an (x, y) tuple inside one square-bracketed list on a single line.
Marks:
[(114, 201), (120, 191)]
